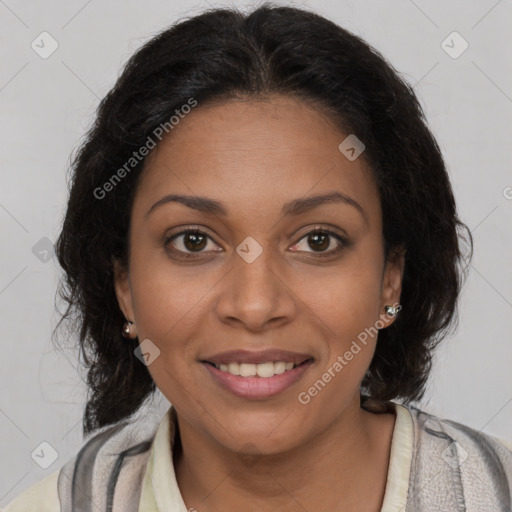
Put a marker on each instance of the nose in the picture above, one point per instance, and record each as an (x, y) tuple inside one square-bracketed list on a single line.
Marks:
[(256, 294)]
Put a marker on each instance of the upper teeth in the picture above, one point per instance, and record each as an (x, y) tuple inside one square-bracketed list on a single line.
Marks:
[(268, 369)]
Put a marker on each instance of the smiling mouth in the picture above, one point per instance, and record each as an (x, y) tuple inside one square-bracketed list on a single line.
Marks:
[(264, 370)]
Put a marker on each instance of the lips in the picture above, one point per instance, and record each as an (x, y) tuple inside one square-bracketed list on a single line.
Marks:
[(257, 387), (257, 357)]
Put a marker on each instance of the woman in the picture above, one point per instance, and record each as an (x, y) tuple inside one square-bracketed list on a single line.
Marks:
[(261, 227)]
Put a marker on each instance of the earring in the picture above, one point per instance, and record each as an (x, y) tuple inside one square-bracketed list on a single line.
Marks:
[(127, 330), (392, 311)]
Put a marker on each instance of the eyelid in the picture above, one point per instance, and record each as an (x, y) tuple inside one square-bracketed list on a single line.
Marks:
[(324, 228), (187, 229)]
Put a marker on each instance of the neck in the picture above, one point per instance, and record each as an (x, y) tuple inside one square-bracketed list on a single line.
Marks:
[(335, 468)]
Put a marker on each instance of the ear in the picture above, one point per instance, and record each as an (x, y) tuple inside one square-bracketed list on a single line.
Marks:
[(123, 289), (392, 282)]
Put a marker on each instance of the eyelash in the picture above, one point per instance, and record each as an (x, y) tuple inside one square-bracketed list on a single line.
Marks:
[(344, 242)]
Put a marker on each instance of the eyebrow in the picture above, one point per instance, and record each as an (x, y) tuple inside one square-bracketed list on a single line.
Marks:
[(294, 207)]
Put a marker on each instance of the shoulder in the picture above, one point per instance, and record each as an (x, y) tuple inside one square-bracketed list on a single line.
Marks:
[(41, 497), (434, 431), (457, 465), (107, 469), (507, 443)]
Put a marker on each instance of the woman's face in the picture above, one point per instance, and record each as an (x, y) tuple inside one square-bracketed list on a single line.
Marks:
[(255, 279)]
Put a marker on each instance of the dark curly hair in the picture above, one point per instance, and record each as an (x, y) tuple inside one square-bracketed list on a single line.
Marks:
[(224, 54)]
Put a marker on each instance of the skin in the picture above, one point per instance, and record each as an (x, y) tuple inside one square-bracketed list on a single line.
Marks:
[(254, 156)]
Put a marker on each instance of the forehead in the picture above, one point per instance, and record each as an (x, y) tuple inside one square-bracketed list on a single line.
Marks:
[(254, 155)]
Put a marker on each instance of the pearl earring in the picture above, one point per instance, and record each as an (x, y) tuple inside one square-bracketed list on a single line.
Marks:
[(127, 330)]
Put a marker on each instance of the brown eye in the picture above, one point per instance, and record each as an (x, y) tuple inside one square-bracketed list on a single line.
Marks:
[(320, 240), (194, 241), (187, 242)]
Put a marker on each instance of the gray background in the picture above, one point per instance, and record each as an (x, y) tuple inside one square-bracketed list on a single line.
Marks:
[(47, 104)]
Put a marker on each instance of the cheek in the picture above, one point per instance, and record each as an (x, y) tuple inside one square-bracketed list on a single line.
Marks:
[(166, 297), (351, 336), (347, 298), (348, 303), (167, 308)]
